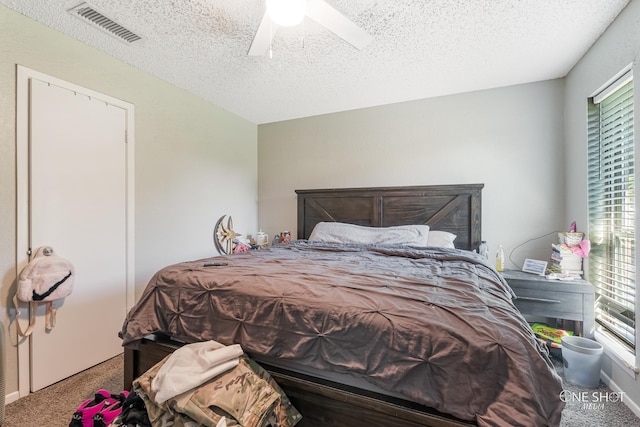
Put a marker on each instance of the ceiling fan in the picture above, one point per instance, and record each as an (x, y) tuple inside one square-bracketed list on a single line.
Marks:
[(317, 10)]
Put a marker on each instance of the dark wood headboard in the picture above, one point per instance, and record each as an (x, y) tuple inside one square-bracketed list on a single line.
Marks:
[(453, 208)]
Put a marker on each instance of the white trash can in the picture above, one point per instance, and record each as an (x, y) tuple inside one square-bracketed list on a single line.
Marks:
[(582, 360)]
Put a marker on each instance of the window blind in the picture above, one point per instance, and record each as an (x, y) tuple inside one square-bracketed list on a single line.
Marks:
[(611, 187)]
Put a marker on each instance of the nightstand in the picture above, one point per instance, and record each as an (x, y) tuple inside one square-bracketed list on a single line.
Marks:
[(558, 299)]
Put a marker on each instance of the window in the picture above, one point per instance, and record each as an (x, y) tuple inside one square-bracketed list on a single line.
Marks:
[(611, 187)]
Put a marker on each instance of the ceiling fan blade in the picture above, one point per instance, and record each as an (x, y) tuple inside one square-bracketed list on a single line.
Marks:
[(337, 23), (264, 35)]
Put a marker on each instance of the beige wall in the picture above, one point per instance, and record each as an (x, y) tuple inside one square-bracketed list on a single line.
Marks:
[(615, 50), (510, 139), (194, 161)]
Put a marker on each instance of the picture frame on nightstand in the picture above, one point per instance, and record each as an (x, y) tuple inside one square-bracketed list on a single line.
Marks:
[(534, 266)]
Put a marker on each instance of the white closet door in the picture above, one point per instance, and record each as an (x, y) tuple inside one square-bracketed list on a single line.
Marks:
[(77, 178)]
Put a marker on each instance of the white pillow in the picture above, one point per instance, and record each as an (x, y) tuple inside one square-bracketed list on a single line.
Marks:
[(339, 232), (442, 239)]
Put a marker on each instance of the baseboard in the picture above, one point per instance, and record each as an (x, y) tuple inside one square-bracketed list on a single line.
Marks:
[(635, 408), (11, 397)]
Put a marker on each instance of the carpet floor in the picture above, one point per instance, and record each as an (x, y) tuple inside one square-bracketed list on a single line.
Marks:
[(587, 407), (54, 405)]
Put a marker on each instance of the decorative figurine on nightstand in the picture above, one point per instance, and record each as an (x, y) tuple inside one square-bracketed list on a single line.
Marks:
[(223, 235), (276, 240), (262, 239)]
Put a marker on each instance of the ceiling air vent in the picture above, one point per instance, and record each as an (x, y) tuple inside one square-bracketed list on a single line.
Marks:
[(92, 16)]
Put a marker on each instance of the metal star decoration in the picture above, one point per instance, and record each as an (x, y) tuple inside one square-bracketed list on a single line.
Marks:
[(223, 235)]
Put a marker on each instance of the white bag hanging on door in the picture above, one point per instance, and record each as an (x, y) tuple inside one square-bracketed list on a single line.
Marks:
[(45, 279)]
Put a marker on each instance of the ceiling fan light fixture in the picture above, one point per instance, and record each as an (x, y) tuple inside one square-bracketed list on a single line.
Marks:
[(287, 12)]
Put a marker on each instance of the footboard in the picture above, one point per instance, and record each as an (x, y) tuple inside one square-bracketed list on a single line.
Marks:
[(321, 403)]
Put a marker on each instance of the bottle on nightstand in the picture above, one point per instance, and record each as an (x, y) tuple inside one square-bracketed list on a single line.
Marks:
[(500, 259)]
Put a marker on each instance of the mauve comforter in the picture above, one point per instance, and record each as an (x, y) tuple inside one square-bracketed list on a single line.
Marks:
[(437, 325)]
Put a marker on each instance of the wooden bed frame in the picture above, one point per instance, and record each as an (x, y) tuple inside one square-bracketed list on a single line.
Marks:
[(452, 208)]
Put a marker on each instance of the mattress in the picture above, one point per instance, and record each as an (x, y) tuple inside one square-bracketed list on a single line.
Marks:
[(433, 325)]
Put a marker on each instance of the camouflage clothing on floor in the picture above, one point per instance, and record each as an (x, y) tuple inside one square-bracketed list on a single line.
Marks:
[(245, 396)]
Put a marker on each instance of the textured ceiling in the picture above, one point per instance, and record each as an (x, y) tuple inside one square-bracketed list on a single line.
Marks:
[(420, 48)]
